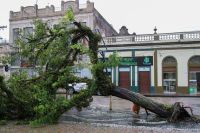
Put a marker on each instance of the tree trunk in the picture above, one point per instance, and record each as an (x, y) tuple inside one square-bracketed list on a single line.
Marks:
[(173, 112)]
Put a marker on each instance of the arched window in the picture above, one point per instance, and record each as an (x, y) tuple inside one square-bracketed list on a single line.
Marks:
[(194, 74), (169, 65)]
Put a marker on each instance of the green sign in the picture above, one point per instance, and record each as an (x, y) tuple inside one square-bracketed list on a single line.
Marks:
[(128, 61), (146, 61), (137, 61)]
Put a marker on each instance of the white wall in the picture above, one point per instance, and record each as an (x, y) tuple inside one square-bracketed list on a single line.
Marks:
[(121, 54)]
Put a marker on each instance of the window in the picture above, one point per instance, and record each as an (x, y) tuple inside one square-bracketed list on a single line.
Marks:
[(195, 60), (15, 60), (83, 23), (169, 82), (28, 31), (15, 34), (169, 75), (194, 82), (194, 75)]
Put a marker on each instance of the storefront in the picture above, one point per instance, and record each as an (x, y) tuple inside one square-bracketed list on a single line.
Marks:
[(178, 71), (174, 62), (134, 73)]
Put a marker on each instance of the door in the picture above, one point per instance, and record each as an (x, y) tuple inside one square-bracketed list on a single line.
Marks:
[(124, 80), (169, 81), (144, 82)]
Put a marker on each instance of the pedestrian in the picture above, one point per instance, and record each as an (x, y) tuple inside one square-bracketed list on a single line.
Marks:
[(136, 108)]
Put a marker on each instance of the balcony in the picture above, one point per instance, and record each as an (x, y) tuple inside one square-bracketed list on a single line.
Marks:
[(153, 38)]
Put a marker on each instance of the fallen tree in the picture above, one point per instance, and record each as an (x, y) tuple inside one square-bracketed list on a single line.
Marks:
[(173, 113)]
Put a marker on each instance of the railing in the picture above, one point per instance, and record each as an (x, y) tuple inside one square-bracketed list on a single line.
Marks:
[(153, 38)]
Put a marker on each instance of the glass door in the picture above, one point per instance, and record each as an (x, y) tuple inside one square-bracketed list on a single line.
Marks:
[(194, 82), (169, 82)]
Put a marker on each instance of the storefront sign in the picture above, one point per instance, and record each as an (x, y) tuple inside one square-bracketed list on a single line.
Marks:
[(137, 61), (128, 61), (144, 61)]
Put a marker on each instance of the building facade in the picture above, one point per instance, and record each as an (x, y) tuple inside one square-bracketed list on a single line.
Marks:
[(166, 63), (87, 14)]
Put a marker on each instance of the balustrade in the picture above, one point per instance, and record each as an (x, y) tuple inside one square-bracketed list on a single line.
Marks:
[(150, 38)]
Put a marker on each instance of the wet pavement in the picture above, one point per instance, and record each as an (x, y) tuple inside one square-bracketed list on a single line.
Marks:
[(97, 118), (98, 114)]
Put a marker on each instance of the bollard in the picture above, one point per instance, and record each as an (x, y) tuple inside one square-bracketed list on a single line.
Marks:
[(110, 106)]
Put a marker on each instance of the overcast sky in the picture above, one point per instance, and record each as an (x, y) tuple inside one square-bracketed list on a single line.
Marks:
[(140, 16)]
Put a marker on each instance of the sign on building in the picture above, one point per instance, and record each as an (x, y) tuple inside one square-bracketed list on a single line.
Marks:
[(137, 61)]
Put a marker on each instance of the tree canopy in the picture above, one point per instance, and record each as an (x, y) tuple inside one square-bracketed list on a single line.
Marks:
[(51, 52)]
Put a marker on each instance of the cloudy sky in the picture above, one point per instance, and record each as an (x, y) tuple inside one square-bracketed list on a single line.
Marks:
[(140, 16)]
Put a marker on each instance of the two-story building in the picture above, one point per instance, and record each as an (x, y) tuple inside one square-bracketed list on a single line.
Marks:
[(159, 63), (84, 13)]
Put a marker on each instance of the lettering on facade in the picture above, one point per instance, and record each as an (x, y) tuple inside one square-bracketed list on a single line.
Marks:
[(137, 61)]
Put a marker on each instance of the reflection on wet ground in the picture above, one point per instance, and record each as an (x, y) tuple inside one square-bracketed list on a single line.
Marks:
[(98, 119), (98, 114), (125, 118)]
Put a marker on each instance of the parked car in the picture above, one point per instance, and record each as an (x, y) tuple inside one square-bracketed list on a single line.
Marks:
[(76, 87)]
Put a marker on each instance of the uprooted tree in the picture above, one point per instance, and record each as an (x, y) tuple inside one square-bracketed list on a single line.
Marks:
[(51, 52)]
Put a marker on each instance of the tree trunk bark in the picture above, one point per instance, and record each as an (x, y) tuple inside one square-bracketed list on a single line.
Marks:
[(173, 112)]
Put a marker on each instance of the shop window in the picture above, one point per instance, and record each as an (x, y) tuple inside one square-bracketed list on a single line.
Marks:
[(169, 82), (169, 75), (194, 75)]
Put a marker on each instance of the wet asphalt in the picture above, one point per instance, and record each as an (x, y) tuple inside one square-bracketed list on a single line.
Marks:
[(99, 114)]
